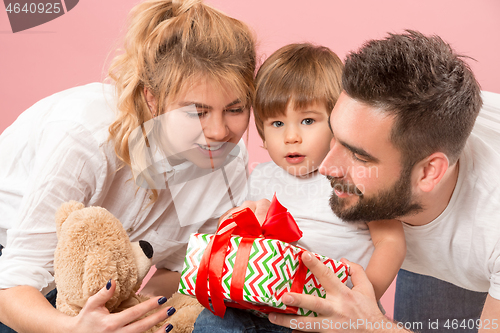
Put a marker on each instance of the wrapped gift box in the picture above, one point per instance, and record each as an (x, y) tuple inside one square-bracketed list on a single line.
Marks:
[(246, 266)]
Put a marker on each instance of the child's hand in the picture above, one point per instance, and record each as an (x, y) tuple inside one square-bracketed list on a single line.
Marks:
[(259, 208)]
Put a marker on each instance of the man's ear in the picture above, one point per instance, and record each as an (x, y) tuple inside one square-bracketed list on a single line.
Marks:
[(151, 100), (431, 170)]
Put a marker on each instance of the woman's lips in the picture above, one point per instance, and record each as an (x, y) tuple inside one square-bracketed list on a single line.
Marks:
[(212, 150)]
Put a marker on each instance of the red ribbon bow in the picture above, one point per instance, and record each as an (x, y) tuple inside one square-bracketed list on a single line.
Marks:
[(279, 224)]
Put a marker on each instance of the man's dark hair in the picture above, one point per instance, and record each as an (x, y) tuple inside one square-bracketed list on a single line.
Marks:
[(424, 84)]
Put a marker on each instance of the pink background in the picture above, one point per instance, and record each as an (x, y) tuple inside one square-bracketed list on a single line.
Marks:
[(74, 49)]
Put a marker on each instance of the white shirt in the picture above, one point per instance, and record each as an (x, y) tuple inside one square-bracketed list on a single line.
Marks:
[(462, 245), (58, 150), (307, 199)]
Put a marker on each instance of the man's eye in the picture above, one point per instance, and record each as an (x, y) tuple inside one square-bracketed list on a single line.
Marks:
[(359, 159), (307, 121), (278, 123)]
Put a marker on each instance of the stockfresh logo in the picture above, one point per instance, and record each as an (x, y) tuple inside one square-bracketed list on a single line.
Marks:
[(28, 14)]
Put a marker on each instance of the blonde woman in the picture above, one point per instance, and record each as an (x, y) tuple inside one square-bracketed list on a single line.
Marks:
[(160, 148)]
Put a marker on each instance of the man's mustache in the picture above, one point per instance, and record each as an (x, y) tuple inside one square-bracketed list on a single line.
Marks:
[(341, 185)]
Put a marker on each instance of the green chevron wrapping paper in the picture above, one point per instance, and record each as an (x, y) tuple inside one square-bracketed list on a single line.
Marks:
[(270, 271)]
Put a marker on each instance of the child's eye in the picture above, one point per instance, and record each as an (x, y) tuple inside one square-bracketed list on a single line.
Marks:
[(278, 123), (307, 121)]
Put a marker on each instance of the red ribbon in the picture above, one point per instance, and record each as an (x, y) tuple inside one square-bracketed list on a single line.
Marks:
[(279, 224)]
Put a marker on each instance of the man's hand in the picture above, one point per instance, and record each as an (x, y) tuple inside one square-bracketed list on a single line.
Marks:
[(343, 309), (259, 208)]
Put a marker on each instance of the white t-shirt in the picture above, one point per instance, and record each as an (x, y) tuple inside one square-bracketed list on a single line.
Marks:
[(58, 150), (462, 245), (307, 199)]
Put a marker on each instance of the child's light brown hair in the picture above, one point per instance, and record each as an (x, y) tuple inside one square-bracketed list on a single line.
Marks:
[(301, 74)]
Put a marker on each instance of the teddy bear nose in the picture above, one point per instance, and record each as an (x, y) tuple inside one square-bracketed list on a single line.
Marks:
[(146, 248)]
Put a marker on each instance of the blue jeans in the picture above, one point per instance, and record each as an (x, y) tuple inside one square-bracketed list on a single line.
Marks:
[(51, 297), (432, 305), (235, 320)]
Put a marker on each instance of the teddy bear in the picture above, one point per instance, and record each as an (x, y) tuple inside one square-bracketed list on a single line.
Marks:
[(92, 248)]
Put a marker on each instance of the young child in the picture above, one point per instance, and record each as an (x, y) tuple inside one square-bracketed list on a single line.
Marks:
[(296, 90)]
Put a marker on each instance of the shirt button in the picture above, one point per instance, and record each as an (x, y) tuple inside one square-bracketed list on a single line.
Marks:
[(129, 230)]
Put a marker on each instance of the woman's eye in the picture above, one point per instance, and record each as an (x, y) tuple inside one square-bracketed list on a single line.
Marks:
[(199, 114), (307, 121), (278, 123), (236, 110)]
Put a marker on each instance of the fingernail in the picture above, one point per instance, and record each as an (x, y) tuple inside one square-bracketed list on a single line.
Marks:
[(306, 256), (287, 299), (108, 285), (168, 328), (162, 300), (171, 311), (272, 317)]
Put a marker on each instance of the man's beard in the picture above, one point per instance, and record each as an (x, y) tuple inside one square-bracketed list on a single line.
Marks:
[(390, 204)]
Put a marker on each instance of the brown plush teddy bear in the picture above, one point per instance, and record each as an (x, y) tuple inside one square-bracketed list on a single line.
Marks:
[(92, 248)]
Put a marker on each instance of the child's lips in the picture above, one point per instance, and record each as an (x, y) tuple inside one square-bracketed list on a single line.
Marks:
[(295, 158)]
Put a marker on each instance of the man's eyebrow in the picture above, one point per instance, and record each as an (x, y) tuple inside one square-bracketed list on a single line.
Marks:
[(359, 151)]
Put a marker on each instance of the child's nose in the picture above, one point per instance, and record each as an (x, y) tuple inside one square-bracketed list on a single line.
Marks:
[(292, 136)]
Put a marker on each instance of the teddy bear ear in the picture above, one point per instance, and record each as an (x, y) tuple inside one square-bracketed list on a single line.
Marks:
[(65, 210)]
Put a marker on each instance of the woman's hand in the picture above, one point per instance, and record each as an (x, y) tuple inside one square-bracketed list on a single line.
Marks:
[(95, 317), (259, 208), (343, 309)]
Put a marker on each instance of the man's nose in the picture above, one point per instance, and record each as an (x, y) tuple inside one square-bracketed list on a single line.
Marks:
[(332, 164)]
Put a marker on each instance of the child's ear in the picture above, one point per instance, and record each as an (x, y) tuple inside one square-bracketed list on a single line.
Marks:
[(264, 144)]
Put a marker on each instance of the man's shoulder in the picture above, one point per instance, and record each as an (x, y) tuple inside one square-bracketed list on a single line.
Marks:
[(487, 126), (484, 158)]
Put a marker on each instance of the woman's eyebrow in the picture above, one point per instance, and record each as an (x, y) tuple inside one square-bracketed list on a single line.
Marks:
[(205, 106), (236, 101)]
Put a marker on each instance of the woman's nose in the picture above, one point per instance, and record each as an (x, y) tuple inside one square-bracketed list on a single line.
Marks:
[(215, 127)]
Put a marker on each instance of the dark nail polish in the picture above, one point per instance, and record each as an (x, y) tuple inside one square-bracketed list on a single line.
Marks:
[(168, 328), (171, 311), (162, 300), (108, 285)]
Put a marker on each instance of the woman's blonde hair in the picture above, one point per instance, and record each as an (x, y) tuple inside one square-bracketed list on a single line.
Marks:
[(169, 45), (301, 74)]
